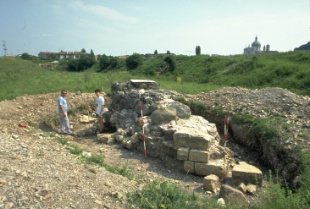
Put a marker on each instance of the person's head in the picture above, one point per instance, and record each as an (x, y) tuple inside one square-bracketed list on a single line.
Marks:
[(63, 93), (97, 92)]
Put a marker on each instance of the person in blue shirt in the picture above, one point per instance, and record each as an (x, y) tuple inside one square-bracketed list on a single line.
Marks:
[(63, 113)]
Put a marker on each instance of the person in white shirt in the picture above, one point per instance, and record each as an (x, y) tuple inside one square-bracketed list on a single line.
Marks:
[(100, 103)]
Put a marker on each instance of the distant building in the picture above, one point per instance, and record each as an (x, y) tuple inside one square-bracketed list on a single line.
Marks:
[(61, 55), (255, 48)]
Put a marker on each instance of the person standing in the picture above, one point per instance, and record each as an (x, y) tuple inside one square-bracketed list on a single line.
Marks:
[(99, 109), (63, 113)]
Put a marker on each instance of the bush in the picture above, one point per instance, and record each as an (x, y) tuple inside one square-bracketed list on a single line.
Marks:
[(81, 64), (133, 61)]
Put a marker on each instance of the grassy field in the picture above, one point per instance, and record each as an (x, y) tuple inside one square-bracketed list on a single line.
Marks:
[(196, 74)]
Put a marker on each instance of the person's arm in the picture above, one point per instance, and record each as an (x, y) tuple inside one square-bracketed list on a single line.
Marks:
[(62, 110), (102, 106)]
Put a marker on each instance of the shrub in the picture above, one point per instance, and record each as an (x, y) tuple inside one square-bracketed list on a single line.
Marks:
[(133, 61)]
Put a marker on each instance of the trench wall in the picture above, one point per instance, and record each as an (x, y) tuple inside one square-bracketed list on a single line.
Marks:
[(286, 163)]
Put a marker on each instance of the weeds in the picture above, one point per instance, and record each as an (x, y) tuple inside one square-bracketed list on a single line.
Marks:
[(49, 134), (98, 160), (94, 160), (164, 195), (265, 128), (75, 150), (30, 123), (52, 121), (62, 141), (279, 195)]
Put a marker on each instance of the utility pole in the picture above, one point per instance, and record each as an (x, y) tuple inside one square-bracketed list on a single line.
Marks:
[(4, 48)]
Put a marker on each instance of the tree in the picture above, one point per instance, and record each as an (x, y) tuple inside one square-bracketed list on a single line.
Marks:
[(83, 50), (26, 56), (113, 62), (133, 61), (81, 64), (198, 50), (170, 61), (156, 52), (104, 62), (92, 55)]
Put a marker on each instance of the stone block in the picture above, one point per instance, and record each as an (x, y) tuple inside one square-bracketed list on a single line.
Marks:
[(189, 166), (209, 168), (105, 138), (211, 183), (182, 153), (242, 187), (251, 189), (247, 174), (232, 195), (198, 156), (193, 140)]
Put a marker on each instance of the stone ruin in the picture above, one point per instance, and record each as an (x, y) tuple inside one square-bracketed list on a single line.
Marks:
[(146, 116)]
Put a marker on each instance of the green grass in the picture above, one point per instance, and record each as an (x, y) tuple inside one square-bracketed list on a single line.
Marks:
[(279, 195), (98, 160), (61, 140), (197, 74), (166, 195)]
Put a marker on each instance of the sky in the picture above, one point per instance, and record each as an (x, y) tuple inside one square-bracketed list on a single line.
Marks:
[(124, 27)]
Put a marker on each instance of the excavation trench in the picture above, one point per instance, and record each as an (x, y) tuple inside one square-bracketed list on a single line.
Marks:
[(269, 153), (263, 145)]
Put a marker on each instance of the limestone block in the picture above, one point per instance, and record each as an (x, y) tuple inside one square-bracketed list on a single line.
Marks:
[(87, 119), (221, 202), (182, 110), (129, 144), (242, 187), (134, 138), (209, 168), (211, 183), (232, 195), (105, 138), (251, 189), (198, 156), (189, 166), (119, 138), (247, 174), (163, 115), (182, 153), (194, 140)]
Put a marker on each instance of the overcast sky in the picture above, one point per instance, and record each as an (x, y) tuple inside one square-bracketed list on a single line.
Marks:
[(124, 27)]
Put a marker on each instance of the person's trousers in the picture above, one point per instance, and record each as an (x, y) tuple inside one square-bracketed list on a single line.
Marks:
[(64, 124)]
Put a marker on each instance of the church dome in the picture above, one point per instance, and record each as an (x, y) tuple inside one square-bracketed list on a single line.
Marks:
[(256, 43)]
